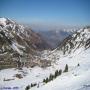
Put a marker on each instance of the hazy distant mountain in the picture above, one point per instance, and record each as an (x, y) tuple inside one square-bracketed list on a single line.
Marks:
[(54, 37), (54, 34)]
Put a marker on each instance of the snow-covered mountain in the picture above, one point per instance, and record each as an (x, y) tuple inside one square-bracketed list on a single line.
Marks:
[(79, 39), (24, 32), (73, 52), (18, 42)]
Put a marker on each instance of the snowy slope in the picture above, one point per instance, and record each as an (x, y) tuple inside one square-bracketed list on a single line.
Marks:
[(73, 50), (21, 35), (78, 76), (9, 31), (76, 79), (79, 39)]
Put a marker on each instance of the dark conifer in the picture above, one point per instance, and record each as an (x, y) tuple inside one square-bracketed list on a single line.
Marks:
[(60, 72), (66, 68), (27, 87)]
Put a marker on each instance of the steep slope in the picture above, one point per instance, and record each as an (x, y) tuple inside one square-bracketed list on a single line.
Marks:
[(76, 78), (75, 52), (18, 43), (25, 33), (79, 39)]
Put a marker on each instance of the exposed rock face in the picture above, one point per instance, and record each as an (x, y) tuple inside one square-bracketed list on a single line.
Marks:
[(79, 39), (18, 43)]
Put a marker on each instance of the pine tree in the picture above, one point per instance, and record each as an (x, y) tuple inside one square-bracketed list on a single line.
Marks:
[(66, 68), (31, 85), (46, 81), (34, 84), (56, 73), (50, 77), (78, 64), (27, 87), (60, 72)]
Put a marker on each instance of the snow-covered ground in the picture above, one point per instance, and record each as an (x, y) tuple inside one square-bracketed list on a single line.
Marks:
[(77, 78), (78, 61)]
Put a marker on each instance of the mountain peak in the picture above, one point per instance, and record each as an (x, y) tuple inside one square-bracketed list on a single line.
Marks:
[(3, 21)]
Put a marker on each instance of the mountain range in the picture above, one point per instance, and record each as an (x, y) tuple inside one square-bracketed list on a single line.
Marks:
[(32, 66)]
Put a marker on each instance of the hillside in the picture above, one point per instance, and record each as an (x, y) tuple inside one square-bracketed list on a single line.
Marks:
[(19, 44), (76, 58)]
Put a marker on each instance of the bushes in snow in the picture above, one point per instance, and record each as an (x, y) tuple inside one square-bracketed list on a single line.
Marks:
[(19, 76)]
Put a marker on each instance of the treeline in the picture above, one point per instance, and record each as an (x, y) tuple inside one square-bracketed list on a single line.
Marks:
[(50, 78), (30, 86), (55, 75)]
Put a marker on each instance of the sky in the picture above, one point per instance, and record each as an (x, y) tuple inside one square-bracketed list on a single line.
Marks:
[(68, 12)]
